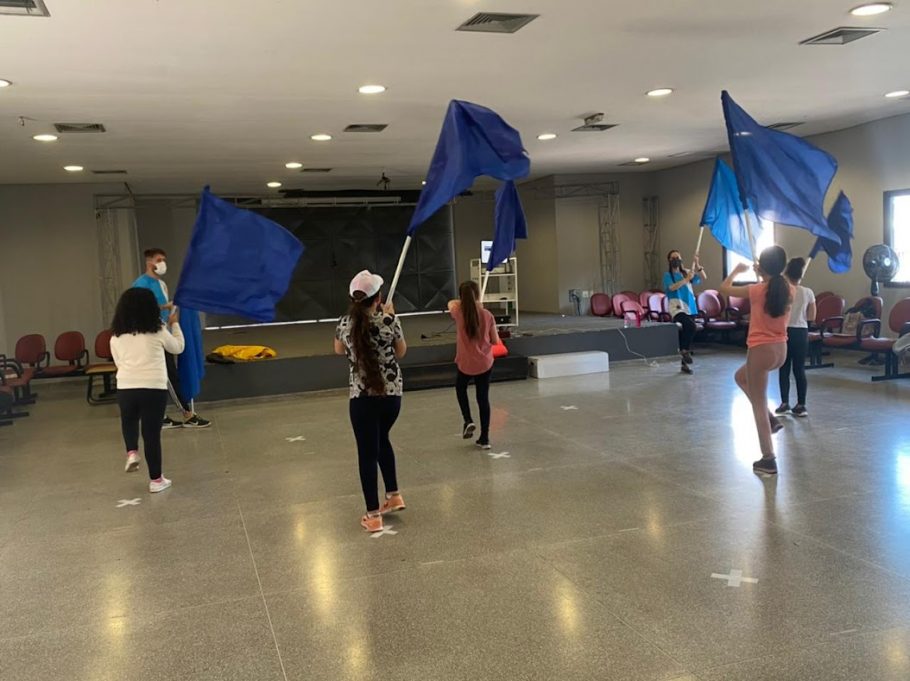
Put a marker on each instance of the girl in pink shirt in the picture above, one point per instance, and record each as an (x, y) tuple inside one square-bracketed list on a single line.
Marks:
[(476, 335), (767, 343)]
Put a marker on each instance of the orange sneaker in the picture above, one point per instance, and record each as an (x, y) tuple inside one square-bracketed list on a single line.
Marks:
[(372, 523), (393, 503)]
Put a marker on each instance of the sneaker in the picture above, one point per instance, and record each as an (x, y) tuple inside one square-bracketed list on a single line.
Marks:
[(776, 425), (159, 485), (686, 369), (686, 356), (765, 466), (468, 431), (132, 462), (169, 423), (195, 421), (483, 444), (392, 503), (371, 523), (782, 409), (800, 410)]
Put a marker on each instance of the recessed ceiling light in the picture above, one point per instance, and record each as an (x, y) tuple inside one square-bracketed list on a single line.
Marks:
[(543, 137), (293, 165), (5, 83), (322, 137), (660, 92), (897, 93), (73, 169), (371, 89), (423, 182), (871, 9), (44, 137), (273, 185), (642, 159)]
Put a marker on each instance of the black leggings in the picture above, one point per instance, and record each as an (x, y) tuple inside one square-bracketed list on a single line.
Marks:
[(145, 406), (372, 419), (482, 388), (687, 332), (797, 349)]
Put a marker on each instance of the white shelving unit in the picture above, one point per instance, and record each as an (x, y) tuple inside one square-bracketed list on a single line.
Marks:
[(502, 290)]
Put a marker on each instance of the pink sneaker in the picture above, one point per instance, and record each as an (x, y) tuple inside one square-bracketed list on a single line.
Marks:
[(372, 523), (393, 503), (159, 485), (132, 461)]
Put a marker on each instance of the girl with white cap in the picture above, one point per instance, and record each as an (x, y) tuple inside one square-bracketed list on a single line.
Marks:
[(370, 336)]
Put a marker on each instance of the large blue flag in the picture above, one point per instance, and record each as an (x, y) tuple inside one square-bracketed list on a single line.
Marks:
[(724, 214), (191, 363), (238, 262), (840, 221), (510, 224), (474, 141), (784, 177)]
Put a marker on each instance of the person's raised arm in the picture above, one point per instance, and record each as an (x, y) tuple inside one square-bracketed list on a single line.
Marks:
[(682, 282), (728, 288)]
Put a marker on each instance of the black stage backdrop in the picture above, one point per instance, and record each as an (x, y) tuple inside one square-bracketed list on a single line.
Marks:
[(339, 241)]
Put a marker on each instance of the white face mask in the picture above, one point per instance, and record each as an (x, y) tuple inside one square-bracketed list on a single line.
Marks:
[(161, 268)]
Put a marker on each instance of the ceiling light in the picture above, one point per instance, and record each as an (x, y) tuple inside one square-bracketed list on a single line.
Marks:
[(660, 92), (44, 137), (5, 83), (871, 9), (322, 137), (371, 89), (897, 93), (543, 137), (423, 182), (73, 169), (642, 159), (293, 165), (273, 185)]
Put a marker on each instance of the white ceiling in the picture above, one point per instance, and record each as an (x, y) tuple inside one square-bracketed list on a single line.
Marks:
[(224, 92)]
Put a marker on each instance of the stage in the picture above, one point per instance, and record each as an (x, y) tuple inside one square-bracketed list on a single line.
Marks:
[(306, 361)]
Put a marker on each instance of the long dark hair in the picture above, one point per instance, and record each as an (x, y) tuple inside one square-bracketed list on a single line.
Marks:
[(670, 267), (469, 294), (796, 268), (772, 262), (365, 356), (137, 312)]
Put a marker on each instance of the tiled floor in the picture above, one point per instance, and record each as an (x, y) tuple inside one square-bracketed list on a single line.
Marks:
[(587, 553)]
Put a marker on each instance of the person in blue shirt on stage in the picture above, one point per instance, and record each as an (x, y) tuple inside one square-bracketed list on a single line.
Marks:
[(155, 269), (681, 302)]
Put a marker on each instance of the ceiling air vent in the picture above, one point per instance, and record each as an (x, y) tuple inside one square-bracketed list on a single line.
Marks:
[(316, 170), (593, 124), (366, 127), (786, 125), (78, 127), (841, 36), (28, 8), (490, 22), (108, 172)]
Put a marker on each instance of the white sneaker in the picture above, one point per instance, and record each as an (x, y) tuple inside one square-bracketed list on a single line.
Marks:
[(159, 485), (132, 462)]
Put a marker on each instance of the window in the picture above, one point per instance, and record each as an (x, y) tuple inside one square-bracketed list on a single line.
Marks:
[(897, 232), (732, 259)]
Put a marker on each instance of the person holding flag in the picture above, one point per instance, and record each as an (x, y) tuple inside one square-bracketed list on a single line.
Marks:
[(681, 302)]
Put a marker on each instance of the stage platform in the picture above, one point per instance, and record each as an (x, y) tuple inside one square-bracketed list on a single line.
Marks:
[(306, 361)]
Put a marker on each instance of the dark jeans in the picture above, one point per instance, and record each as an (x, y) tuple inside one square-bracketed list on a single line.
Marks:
[(687, 332), (797, 349), (372, 418), (146, 407), (173, 377), (482, 388)]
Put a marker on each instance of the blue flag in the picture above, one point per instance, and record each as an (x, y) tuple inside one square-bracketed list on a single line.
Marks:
[(724, 214), (474, 141), (191, 363), (510, 224), (783, 177), (238, 263), (840, 221)]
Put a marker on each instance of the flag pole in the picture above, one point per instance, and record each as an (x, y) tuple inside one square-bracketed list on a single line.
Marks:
[(701, 233), (483, 287), (751, 235), (404, 252)]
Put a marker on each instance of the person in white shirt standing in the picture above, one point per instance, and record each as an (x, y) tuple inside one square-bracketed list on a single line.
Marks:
[(138, 345), (797, 341)]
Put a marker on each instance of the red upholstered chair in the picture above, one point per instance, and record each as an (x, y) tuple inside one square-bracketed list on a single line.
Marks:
[(738, 310), (830, 307), (657, 307), (14, 378), (823, 294), (601, 305), (711, 310), (70, 348), (633, 312), (31, 353), (831, 328), (621, 298), (899, 323), (106, 370)]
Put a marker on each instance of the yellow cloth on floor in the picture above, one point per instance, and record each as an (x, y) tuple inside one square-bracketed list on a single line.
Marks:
[(245, 352)]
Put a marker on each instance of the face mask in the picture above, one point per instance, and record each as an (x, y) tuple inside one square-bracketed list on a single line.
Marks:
[(161, 268), (676, 262)]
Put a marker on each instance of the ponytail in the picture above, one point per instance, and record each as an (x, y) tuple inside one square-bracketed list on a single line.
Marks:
[(772, 262), (366, 358), (469, 295)]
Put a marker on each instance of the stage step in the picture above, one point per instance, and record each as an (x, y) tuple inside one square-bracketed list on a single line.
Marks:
[(569, 364), (442, 374)]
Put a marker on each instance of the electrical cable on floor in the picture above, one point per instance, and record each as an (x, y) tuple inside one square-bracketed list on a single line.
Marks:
[(437, 334), (653, 364)]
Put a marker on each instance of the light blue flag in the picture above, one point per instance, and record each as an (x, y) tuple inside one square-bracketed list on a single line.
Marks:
[(724, 214)]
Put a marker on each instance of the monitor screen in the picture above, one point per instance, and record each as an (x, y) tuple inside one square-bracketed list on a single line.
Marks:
[(485, 248)]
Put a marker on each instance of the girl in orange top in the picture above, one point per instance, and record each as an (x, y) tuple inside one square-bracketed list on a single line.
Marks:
[(767, 343)]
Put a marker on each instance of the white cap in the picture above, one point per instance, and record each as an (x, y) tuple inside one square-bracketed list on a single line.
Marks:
[(366, 282)]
